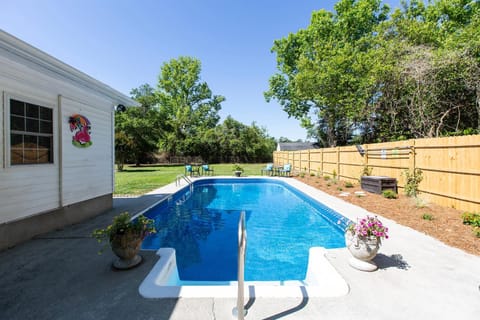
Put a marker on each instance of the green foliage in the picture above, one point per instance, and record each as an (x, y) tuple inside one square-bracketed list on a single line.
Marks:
[(472, 219), (367, 171), (237, 167), (233, 141), (123, 224), (427, 216), (412, 182), (326, 177), (348, 184), (358, 75), (389, 194), (312, 174), (186, 104), (136, 135)]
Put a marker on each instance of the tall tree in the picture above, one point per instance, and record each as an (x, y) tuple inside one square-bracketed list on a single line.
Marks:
[(187, 105), (324, 77), (136, 135)]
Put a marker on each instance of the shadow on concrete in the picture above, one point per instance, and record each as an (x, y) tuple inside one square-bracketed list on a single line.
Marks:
[(60, 275), (285, 313), (392, 261)]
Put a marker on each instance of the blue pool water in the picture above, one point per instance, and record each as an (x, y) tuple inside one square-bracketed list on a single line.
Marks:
[(282, 224)]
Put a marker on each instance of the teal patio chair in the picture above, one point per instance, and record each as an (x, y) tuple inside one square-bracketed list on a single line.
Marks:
[(191, 170), (285, 171), (267, 170), (207, 170)]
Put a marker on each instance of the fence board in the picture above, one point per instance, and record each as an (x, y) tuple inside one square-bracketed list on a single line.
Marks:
[(450, 166)]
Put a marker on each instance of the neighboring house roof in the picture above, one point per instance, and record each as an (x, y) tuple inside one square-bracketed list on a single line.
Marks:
[(294, 146), (21, 51)]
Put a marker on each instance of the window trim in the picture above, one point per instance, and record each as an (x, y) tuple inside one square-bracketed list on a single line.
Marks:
[(8, 133)]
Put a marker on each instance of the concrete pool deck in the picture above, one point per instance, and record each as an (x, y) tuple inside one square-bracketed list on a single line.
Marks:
[(60, 276)]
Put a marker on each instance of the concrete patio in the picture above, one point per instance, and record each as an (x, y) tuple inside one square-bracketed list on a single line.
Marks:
[(59, 275)]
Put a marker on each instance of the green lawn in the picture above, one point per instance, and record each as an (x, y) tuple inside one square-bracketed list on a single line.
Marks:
[(140, 180)]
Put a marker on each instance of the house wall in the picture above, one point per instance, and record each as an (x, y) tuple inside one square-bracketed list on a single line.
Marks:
[(79, 183), (86, 172)]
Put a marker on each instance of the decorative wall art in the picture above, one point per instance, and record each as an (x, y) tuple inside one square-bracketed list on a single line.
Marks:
[(80, 125)]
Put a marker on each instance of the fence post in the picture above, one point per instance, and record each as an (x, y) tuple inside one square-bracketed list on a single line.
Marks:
[(308, 161), (338, 163), (321, 163), (412, 155)]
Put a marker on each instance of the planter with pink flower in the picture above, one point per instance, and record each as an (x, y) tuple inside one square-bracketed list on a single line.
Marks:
[(363, 240)]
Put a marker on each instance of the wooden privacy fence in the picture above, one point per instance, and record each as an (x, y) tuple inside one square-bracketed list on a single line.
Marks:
[(450, 166)]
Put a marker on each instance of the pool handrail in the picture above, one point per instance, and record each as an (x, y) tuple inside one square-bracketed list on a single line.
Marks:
[(187, 179), (239, 310)]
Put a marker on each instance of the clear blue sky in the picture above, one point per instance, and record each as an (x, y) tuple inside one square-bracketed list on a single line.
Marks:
[(123, 43)]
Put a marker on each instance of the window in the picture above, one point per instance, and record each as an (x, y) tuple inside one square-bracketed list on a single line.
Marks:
[(31, 133)]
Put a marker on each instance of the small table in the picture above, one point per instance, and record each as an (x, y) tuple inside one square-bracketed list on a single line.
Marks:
[(277, 171)]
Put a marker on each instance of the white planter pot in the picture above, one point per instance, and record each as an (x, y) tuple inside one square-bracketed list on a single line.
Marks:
[(363, 251)]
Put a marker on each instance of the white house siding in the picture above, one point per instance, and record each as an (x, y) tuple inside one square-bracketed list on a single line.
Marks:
[(26, 190), (87, 172), (78, 184)]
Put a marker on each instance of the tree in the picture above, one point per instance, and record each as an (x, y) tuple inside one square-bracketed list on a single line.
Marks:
[(136, 135), (324, 77), (187, 106), (357, 76), (233, 141)]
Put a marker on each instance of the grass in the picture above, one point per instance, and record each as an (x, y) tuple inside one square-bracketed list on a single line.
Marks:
[(140, 180)]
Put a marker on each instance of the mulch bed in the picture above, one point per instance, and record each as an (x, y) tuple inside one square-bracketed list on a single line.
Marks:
[(446, 225)]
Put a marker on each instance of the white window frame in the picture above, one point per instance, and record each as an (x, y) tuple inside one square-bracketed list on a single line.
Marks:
[(7, 132)]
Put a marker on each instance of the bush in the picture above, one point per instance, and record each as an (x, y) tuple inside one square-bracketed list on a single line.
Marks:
[(472, 219), (413, 179), (389, 194), (427, 216), (348, 184)]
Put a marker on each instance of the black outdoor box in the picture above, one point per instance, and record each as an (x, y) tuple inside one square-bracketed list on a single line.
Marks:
[(376, 184)]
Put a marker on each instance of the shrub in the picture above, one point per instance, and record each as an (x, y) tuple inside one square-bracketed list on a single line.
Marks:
[(326, 178), (413, 179), (472, 219), (427, 216), (389, 194), (367, 171), (348, 184)]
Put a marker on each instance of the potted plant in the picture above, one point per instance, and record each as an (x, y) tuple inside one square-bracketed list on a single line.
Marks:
[(237, 170), (125, 236), (363, 240)]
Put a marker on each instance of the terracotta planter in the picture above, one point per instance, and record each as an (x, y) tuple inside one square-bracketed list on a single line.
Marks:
[(363, 250), (126, 247)]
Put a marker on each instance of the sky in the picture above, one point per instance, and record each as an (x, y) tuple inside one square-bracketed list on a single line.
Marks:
[(124, 43)]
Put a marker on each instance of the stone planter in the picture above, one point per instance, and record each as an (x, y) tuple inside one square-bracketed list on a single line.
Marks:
[(363, 251), (126, 247)]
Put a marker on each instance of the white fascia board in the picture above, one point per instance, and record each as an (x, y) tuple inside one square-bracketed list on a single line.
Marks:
[(21, 51)]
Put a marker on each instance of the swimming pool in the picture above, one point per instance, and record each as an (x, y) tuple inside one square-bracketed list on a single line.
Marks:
[(283, 224)]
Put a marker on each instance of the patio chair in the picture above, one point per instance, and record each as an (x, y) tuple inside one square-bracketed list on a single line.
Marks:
[(207, 170), (267, 170), (191, 170), (285, 171)]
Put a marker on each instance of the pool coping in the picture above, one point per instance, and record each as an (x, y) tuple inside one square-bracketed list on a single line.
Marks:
[(322, 278)]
